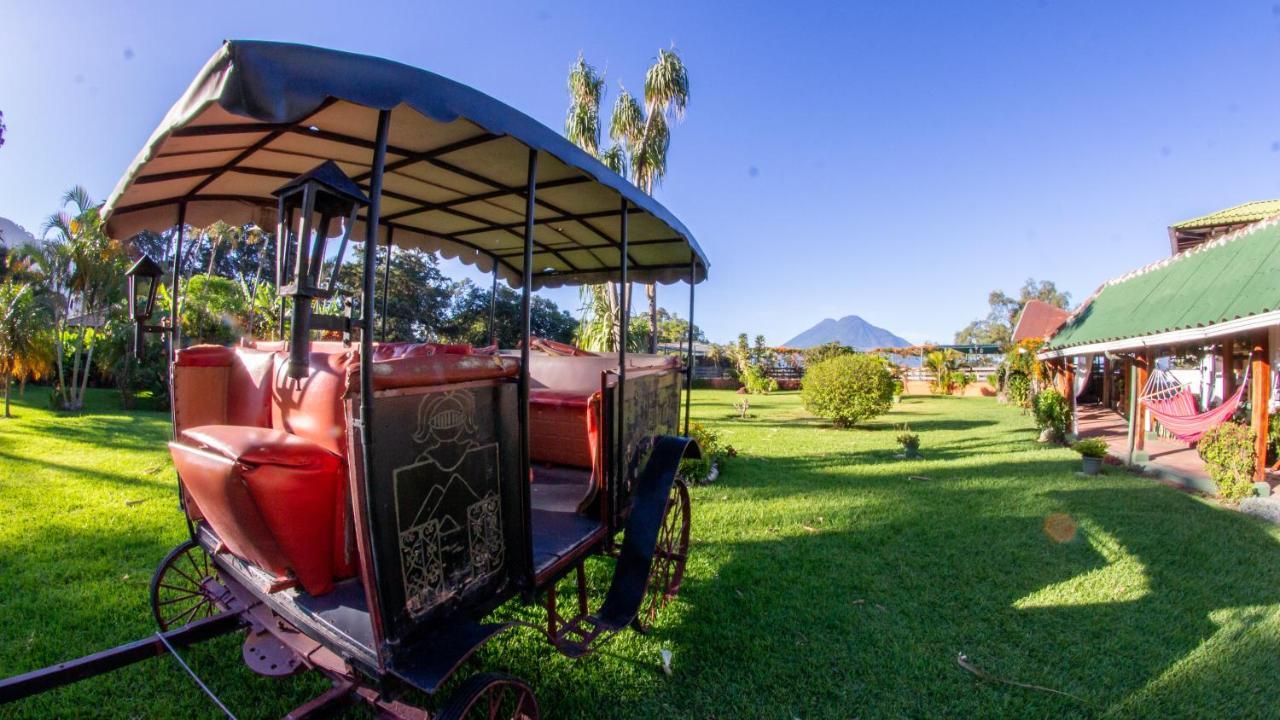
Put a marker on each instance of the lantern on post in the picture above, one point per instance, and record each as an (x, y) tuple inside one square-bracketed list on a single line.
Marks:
[(314, 209), (142, 281)]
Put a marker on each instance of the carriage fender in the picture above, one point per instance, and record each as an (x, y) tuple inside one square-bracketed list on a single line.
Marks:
[(640, 537)]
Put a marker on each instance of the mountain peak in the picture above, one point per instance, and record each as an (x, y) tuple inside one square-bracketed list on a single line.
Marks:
[(849, 330)]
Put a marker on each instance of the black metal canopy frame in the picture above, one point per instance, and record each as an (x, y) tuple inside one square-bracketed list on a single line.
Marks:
[(445, 169)]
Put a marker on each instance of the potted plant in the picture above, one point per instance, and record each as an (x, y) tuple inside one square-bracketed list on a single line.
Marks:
[(1091, 450), (910, 443)]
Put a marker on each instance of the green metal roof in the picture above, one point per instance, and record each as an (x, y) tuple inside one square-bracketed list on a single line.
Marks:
[(1246, 213), (1232, 277)]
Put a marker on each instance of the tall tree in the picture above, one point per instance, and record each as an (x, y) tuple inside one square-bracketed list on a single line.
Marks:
[(22, 318), (82, 272), (418, 295), (997, 327), (469, 317), (641, 136)]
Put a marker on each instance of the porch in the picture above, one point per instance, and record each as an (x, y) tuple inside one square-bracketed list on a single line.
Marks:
[(1171, 459)]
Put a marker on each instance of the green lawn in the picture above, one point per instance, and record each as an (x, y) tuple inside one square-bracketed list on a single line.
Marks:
[(826, 580)]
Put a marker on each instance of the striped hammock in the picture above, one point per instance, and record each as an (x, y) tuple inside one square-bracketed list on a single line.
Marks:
[(1174, 407)]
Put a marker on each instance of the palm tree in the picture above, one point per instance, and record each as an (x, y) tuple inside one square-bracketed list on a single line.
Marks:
[(641, 135), (82, 275), (219, 234), (254, 235), (946, 369), (21, 320)]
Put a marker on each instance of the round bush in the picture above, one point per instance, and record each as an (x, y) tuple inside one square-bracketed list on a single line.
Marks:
[(847, 389)]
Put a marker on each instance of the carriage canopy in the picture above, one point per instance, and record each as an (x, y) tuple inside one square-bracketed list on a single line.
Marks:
[(261, 113)]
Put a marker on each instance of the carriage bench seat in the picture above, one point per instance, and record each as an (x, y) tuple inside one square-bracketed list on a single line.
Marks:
[(564, 404), (564, 427), (263, 457), (275, 498)]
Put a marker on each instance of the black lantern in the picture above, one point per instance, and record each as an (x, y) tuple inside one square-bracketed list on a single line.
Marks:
[(315, 209), (143, 279)]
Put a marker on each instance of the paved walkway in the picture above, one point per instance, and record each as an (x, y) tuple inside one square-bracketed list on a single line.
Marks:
[(1172, 459)]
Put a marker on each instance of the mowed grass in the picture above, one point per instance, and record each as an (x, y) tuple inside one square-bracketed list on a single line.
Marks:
[(827, 579)]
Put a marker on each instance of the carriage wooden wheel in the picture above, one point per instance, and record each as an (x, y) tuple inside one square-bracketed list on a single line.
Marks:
[(492, 696), (178, 592), (669, 557)]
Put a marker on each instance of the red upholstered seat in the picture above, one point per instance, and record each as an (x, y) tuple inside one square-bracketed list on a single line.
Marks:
[(269, 494), (564, 404), (263, 457), (563, 428)]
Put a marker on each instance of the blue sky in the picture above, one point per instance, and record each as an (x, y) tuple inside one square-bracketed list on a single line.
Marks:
[(893, 160)]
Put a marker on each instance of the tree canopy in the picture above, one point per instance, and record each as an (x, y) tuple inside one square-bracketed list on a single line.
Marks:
[(997, 327)]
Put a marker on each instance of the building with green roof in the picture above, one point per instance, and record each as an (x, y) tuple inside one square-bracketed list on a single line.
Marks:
[(1220, 296), (1191, 233), (1225, 287)]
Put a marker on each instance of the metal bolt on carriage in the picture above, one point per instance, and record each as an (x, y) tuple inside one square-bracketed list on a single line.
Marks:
[(357, 507)]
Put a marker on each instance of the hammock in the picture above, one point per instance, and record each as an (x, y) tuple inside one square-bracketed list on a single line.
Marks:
[(1174, 407)]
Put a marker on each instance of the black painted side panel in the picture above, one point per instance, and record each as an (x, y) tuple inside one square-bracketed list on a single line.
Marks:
[(448, 527)]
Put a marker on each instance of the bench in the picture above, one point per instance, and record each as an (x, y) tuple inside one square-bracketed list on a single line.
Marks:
[(263, 457)]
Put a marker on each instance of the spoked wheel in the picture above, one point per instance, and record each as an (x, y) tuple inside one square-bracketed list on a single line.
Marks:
[(669, 558), (492, 696), (178, 594)]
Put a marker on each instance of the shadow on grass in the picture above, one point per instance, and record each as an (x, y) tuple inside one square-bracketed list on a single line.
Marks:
[(868, 621)]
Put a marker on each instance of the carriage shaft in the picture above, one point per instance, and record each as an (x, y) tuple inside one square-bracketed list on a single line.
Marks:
[(38, 681)]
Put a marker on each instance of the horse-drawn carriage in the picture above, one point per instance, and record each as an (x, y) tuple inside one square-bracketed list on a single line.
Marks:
[(359, 507)]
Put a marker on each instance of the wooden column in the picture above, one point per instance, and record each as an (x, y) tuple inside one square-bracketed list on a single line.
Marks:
[(1227, 357), (1259, 400), (1140, 419), (1069, 392), (1126, 369)]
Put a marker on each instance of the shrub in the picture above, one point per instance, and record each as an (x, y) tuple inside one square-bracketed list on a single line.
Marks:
[(214, 310), (1052, 412), (1018, 389), (698, 470), (756, 382), (1273, 435), (1091, 448), (909, 441), (848, 389), (825, 351), (1227, 451)]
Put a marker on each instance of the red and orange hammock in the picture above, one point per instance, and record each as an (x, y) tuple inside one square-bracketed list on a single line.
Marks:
[(1175, 408)]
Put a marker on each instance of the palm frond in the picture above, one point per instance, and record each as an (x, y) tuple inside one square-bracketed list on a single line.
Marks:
[(615, 158), (58, 223), (582, 121), (666, 85), (649, 159), (78, 196), (596, 327), (627, 124)]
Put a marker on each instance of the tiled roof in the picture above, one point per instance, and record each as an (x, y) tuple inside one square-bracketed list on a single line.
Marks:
[(1038, 320), (1246, 213)]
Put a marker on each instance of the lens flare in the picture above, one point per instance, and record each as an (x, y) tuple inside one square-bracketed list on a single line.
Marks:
[(1060, 527)]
